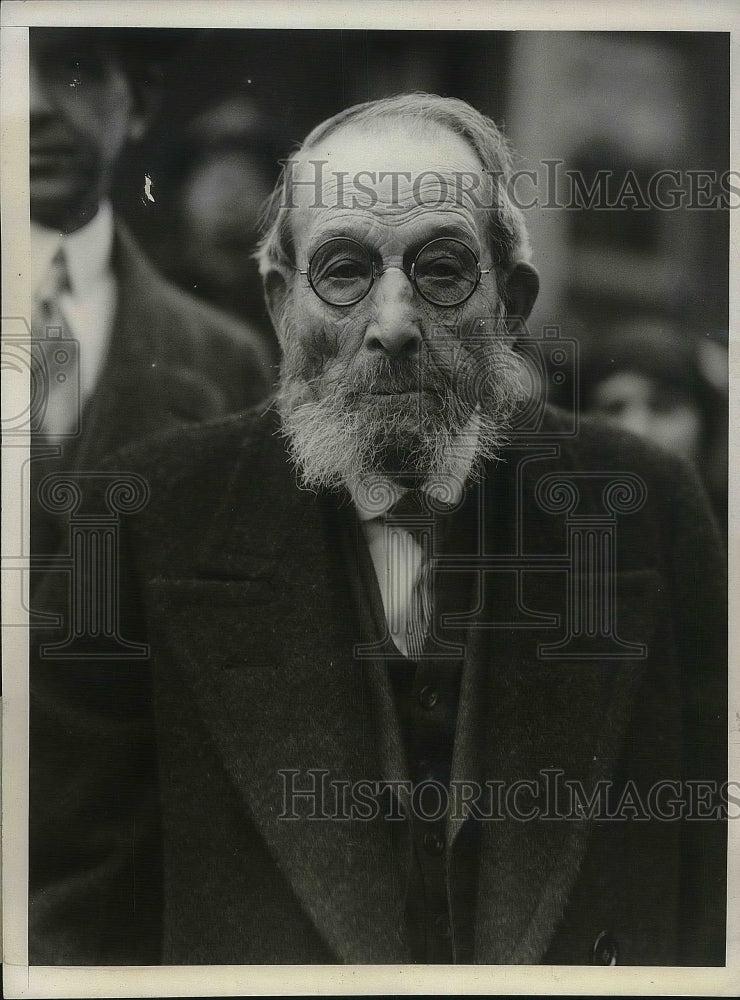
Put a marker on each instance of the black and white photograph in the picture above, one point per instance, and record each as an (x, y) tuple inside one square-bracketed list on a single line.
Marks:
[(366, 499)]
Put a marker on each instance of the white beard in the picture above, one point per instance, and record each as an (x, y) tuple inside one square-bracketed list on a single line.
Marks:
[(339, 435)]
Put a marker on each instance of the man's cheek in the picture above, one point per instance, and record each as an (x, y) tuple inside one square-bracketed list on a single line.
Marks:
[(339, 337), (462, 323), (314, 347)]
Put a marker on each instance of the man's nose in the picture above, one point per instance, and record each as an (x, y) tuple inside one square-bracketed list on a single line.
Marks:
[(394, 327)]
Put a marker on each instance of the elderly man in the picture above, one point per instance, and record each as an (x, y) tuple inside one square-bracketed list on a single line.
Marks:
[(417, 664)]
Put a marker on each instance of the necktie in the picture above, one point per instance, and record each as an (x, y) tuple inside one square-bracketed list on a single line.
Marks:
[(409, 526), (56, 379)]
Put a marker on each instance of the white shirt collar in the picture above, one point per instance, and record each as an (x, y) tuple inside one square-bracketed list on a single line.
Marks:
[(87, 251)]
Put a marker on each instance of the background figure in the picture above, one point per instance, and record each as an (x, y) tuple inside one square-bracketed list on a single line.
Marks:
[(136, 355), (217, 171), (665, 385)]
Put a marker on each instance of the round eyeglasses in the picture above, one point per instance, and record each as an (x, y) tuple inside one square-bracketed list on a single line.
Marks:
[(445, 271)]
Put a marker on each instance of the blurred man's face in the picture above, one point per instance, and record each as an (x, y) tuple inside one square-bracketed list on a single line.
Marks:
[(220, 207), (82, 113), (393, 383)]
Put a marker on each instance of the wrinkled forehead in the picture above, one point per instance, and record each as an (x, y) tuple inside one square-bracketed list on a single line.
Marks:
[(384, 174)]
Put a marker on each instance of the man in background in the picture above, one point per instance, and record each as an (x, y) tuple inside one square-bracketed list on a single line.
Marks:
[(217, 171), (141, 355)]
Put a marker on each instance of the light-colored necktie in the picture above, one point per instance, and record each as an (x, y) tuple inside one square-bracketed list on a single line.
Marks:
[(56, 379)]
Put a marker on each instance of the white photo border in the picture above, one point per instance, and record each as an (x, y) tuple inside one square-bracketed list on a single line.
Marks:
[(175, 981)]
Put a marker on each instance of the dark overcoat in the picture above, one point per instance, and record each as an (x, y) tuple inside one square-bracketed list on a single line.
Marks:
[(158, 829)]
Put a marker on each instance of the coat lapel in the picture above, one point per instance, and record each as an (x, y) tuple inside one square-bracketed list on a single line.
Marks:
[(521, 715), (148, 382), (122, 400), (265, 638)]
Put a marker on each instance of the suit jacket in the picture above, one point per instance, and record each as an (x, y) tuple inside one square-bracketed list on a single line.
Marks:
[(172, 360), (158, 785)]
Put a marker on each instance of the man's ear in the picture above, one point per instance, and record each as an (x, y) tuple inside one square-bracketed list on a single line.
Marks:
[(276, 297), (521, 285)]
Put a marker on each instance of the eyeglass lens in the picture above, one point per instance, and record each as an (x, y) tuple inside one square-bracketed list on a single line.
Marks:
[(445, 272)]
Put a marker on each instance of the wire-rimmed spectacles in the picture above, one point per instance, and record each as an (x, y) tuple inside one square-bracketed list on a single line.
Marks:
[(445, 272)]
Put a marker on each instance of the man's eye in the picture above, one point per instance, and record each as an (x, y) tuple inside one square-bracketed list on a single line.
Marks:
[(442, 272), (345, 270), (342, 270), (443, 269)]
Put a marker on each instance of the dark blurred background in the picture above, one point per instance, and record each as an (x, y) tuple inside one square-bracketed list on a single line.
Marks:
[(234, 101)]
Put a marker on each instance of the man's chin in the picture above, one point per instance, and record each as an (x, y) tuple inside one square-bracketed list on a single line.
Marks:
[(57, 203), (395, 461), (403, 431), (403, 455)]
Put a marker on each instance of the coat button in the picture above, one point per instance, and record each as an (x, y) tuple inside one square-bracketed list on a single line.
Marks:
[(605, 950), (428, 697), (434, 844)]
